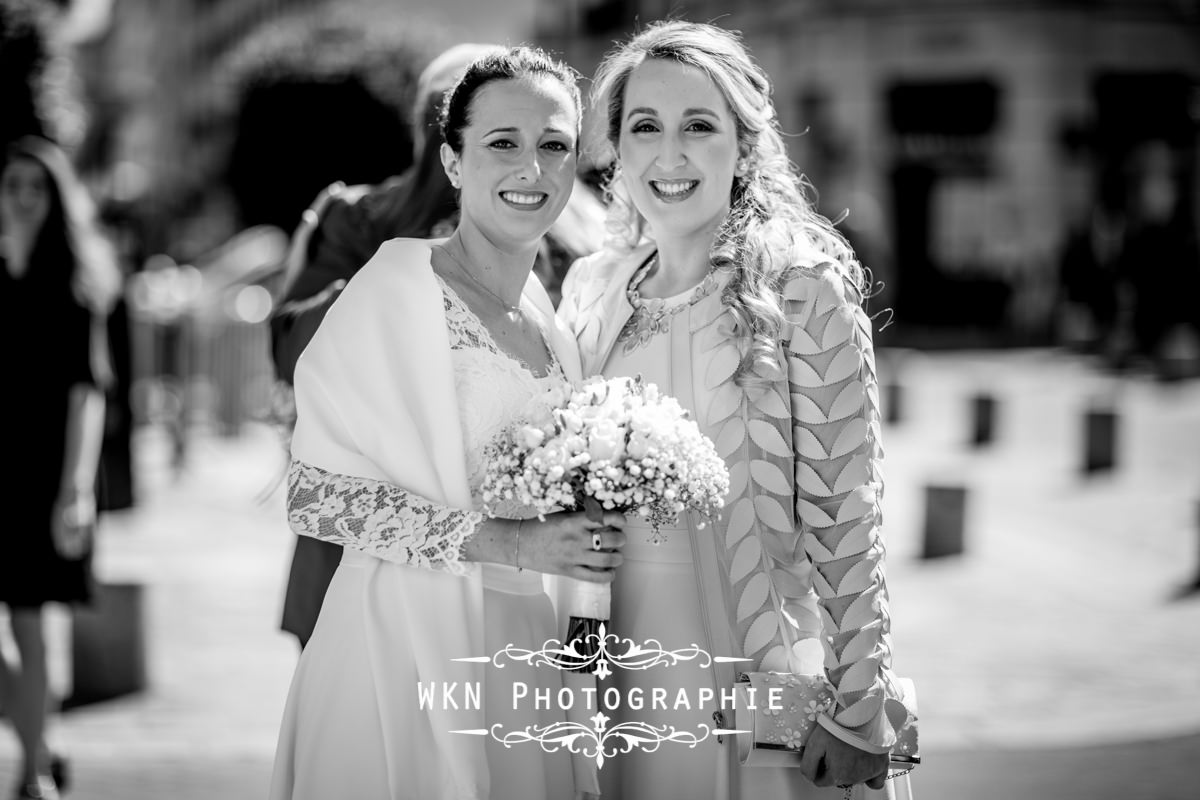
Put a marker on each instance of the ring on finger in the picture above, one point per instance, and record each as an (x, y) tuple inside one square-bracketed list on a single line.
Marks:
[(596, 541)]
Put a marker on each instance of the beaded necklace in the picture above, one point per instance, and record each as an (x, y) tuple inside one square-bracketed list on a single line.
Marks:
[(652, 316)]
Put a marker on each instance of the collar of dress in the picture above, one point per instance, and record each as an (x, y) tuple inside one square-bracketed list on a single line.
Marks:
[(605, 306)]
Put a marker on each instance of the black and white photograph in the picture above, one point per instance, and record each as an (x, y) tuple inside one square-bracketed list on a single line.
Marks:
[(600, 399)]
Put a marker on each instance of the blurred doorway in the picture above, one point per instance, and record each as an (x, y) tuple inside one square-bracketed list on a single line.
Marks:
[(942, 178)]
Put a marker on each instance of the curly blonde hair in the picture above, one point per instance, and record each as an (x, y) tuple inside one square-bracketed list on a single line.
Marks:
[(771, 220)]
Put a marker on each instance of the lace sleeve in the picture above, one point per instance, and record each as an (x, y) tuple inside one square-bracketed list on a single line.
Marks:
[(378, 518), (838, 485)]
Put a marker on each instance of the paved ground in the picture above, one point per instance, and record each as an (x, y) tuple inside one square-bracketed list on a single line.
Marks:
[(1053, 658)]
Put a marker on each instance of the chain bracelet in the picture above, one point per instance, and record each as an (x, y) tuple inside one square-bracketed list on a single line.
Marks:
[(848, 791)]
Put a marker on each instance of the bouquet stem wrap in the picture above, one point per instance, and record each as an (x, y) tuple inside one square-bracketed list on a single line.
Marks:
[(588, 606)]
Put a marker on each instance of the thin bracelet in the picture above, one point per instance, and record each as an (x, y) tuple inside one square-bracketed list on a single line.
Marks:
[(517, 554)]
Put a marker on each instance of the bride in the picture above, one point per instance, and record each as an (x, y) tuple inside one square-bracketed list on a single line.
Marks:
[(430, 350)]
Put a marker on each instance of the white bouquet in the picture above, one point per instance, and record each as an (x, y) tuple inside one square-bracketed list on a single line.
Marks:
[(618, 441), (615, 444)]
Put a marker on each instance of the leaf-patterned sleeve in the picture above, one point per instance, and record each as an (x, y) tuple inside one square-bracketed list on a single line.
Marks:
[(378, 518), (838, 487)]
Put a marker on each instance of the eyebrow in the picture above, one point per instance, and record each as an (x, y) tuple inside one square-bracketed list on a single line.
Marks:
[(687, 112), (513, 129)]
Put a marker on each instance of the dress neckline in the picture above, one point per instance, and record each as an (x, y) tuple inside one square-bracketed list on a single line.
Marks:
[(652, 316), (554, 368), (693, 293)]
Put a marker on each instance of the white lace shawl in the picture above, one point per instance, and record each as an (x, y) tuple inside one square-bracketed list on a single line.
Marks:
[(376, 399), (392, 523)]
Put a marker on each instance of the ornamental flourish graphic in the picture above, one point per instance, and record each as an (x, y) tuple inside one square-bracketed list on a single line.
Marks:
[(597, 740), (601, 743), (649, 653)]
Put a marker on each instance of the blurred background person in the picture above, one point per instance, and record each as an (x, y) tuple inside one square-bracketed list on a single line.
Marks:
[(1160, 260), (345, 225), (57, 287), (1090, 270)]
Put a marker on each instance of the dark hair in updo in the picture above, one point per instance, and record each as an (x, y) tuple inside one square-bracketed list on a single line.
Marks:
[(514, 62)]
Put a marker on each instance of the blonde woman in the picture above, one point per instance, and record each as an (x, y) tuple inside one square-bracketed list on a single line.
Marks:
[(723, 286)]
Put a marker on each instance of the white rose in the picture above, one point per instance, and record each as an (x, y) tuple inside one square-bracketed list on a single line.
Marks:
[(532, 436), (603, 449), (606, 442), (638, 446), (574, 444)]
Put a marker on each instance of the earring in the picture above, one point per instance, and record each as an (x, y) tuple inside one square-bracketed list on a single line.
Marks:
[(742, 165)]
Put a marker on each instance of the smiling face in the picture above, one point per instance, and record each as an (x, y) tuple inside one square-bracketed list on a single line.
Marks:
[(24, 196), (678, 148), (517, 165)]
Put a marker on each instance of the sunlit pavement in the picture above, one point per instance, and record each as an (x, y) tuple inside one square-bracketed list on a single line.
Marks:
[(1053, 657), (213, 560)]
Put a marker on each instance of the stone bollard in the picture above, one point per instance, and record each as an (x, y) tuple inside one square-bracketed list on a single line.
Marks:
[(1178, 357), (983, 419), (889, 366), (892, 402), (1195, 587), (108, 657), (1099, 440), (945, 516)]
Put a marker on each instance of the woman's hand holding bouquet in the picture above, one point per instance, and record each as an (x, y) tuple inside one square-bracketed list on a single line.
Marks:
[(565, 544), (604, 446)]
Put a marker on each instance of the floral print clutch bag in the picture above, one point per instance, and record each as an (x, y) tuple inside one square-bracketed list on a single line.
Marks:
[(777, 711)]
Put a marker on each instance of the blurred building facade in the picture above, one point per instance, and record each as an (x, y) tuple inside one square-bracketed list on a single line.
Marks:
[(161, 85), (159, 130), (212, 125), (153, 150), (964, 137)]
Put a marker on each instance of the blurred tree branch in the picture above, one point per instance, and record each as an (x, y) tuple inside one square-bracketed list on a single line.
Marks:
[(38, 92)]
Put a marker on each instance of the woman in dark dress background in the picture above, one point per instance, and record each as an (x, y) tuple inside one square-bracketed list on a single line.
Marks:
[(58, 283)]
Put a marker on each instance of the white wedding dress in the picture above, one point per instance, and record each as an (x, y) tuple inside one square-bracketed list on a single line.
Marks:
[(339, 736)]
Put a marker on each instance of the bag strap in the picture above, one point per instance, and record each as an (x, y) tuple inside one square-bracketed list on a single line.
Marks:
[(706, 622)]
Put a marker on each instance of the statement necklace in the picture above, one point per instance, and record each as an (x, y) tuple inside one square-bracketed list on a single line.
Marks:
[(652, 316), (463, 268)]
